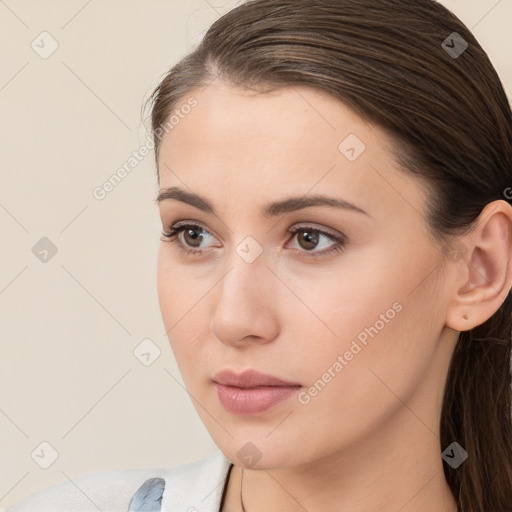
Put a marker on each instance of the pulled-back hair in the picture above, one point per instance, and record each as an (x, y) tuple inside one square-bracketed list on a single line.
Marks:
[(397, 64)]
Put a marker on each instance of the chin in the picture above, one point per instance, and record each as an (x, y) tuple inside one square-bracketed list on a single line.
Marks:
[(256, 452)]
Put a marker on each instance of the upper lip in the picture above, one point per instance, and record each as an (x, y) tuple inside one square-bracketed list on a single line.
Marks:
[(249, 379)]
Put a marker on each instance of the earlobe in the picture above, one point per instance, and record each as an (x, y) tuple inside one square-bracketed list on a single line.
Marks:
[(486, 269)]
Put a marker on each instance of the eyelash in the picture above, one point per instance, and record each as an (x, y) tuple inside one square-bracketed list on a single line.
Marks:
[(174, 231)]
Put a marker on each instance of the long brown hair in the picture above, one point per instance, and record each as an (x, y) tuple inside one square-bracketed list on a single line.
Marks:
[(398, 64)]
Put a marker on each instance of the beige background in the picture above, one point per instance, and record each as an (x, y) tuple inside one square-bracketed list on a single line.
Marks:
[(68, 374)]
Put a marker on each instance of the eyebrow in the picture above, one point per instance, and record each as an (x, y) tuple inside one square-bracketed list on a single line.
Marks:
[(273, 209)]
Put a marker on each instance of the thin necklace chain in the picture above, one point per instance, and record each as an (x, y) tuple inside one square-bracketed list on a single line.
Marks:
[(241, 484)]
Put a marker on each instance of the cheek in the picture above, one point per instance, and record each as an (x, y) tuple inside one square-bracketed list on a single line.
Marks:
[(386, 329), (177, 309), (358, 301), (178, 289)]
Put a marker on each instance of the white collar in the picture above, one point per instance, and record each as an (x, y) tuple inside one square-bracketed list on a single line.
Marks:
[(197, 486)]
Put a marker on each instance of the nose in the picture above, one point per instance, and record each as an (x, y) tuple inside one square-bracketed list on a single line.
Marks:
[(246, 306)]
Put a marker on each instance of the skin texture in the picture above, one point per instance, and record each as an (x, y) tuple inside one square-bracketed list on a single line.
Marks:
[(369, 440)]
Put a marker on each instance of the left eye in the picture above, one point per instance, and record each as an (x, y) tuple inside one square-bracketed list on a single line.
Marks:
[(309, 237)]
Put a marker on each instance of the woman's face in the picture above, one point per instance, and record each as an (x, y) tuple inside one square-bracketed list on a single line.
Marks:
[(360, 331)]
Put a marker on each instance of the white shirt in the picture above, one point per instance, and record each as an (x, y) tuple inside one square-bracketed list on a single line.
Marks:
[(194, 487)]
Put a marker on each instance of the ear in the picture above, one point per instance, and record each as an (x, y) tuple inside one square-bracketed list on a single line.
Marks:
[(482, 271)]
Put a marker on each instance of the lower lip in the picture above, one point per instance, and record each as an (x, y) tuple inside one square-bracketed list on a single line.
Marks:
[(245, 401)]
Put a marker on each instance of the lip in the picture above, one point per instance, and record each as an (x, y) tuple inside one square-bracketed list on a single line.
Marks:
[(251, 392), (249, 379)]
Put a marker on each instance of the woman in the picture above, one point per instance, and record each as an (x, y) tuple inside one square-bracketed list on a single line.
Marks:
[(335, 180)]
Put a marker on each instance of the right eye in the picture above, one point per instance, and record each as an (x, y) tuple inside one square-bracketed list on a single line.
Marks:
[(190, 231)]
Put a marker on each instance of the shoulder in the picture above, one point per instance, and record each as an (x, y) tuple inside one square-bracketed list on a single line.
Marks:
[(197, 485), (108, 490)]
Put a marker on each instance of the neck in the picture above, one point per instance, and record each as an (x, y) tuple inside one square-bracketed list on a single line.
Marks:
[(407, 476)]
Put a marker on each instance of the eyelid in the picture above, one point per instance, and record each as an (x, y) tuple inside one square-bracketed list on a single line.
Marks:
[(312, 226)]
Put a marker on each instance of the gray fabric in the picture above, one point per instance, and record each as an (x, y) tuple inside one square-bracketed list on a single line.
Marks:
[(149, 496)]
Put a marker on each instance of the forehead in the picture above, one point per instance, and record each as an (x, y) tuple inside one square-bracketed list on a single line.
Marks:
[(300, 117), (295, 140)]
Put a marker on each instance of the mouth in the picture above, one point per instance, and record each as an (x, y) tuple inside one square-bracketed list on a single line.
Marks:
[(251, 393)]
